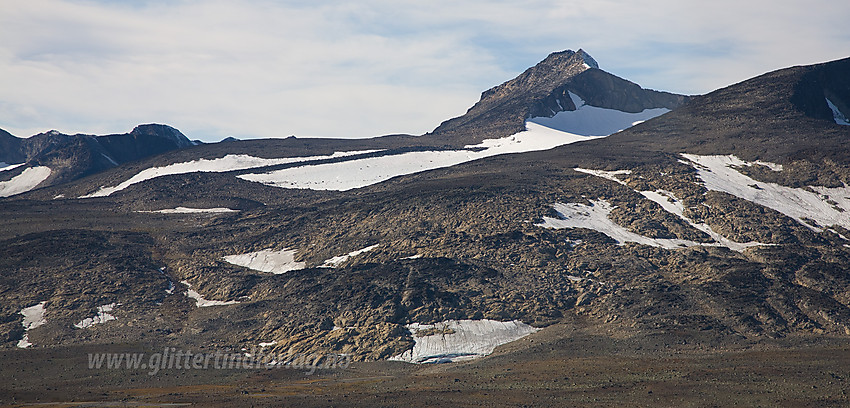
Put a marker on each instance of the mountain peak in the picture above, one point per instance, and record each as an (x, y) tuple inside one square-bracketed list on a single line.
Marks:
[(544, 90), (588, 60)]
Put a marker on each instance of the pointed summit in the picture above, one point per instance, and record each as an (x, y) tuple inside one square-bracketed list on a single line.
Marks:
[(588, 60)]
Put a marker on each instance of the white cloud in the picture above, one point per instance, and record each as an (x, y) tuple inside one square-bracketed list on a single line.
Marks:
[(358, 69)]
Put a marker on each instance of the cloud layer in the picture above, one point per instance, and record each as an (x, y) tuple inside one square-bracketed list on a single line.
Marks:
[(266, 68)]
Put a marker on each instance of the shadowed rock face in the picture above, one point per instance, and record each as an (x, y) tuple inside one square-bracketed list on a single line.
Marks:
[(74, 156), (542, 90)]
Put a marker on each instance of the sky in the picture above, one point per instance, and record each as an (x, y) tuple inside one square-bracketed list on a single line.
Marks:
[(353, 69)]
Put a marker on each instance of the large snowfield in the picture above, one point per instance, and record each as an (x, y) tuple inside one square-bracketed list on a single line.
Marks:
[(459, 340), (230, 162), (585, 123)]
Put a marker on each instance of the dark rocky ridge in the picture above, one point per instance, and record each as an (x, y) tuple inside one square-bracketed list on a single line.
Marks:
[(71, 157)]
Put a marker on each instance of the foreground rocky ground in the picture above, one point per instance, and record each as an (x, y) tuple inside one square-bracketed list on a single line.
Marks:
[(569, 364)]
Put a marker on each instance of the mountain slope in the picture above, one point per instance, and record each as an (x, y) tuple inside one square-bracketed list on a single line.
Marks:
[(656, 230)]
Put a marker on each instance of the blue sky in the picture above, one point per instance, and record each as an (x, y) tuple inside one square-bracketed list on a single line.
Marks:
[(265, 68)]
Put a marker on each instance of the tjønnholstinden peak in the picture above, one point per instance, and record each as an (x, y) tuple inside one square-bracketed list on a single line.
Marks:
[(544, 90)]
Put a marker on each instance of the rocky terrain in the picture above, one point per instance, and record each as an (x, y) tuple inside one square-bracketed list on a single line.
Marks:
[(717, 230)]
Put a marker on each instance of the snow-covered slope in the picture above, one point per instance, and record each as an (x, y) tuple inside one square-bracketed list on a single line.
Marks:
[(458, 340), (230, 162), (585, 123), (589, 120), (347, 175), (29, 179), (669, 203)]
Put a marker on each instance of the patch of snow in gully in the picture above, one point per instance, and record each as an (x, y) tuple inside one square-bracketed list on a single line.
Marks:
[(230, 162), (29, 179), (201, 302), (459, 340), (267, 260), (102, 316), (718, 173), (33, 317), (837, 115)]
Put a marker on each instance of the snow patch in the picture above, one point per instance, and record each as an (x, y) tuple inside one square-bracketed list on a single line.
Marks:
[(33, 317), (230, 162), (589, 120), (102, 316), (338, 260), (595, 217), (268, 344), (201, 302), (267, 260), (814, 206), (839, 117), (671, 204), (29, 179), (608, 175), (189, 210), (459, 340)]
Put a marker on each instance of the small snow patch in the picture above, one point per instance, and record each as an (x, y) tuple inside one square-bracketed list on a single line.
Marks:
[(267, 260), (459, 340), (33, 317), (338, 260), (102, 316), (839, 117), (188, 210), (201, 302)]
